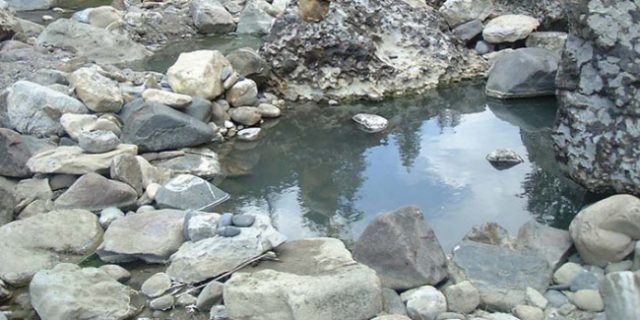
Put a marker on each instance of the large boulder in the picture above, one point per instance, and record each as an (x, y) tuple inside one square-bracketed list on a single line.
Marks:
[(198, 261), (209, 16), (150, 236), (248, 63), (35, 109), (42, 241), (317, 279), (15, 151), (621, 295), (607, 230), (523, 73), (99, 93), (73, 160), (551, 243), (97, 44), (403, 249), (155, 127), (364, 48), (95, 192), (70, 292), (596, 130), (457, 12), (198, 73)]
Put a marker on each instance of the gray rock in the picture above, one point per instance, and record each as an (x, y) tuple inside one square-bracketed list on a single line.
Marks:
[(69, 292), (391, 302), (535, 77), (403, 249), (155, 127), (249, 134), (197, 73), (462, 297), (551, 243), (606, 231), (228, 231), (502, 159), (424, 303), (247, 116), (210, 295), (551, 40), (15, 150), (509, 28), (584, 280), (370, 123), (468, 30), (200, 225), (636, 257), (183, 300), (218, 313), (31, 190), (500, 274), (450, 316), (126, 168), (457, 12), (156, 285), (72, 160), (97, 44), (556, 298), (116, 272), (248, 63), (162, 303), (254, 20), (243, 220), (299, 287), (34, 109), (100, 17), (67, 235), (199, 108), (242, 94), (98, 141), (588, 300), (226, 219), (109, 215), (149, 236), (482, 47), (95, 192), (621, 295), (28, 5), (8, 202), (190, 192), (47, 77), (207, 258), (210, 16), (99, 93)]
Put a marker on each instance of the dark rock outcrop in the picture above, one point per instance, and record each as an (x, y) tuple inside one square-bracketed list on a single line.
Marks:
[(598, 124)]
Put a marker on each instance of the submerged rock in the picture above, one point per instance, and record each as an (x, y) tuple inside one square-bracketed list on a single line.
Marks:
[(201, 162), (504, 158), (535, 76), (316, 280), (370, 123)]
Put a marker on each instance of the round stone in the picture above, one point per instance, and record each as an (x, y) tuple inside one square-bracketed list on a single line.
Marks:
[(225, 220), (243, 220), (228, 231)]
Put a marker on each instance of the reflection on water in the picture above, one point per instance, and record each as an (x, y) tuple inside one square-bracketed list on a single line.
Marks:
[(317, 175)]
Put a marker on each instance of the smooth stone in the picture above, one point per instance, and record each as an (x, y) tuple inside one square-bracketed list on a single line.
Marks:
[(243, 220), (462, 297), (269, 111), (556, 298), (167, 98), (537, 68), (29, 5), (528, 313), (72, 160), (450, 316), (184, 300), (247, 116), (243, 93), (509, 28), (621, 295), (226, 219), (156, 285), (482, 47), (636, 257), (95, 192), (190, 192), (162, 303), (74, 124), (199, 108), (200, 225), (584, 280), (457, 12), (116, 272), (567, 272), (370, 123), (228, 231), (534, 298), (15, 151), (588, 300), (98, 141), (249, 134), (109, 215), (103, 16), (126, 168), (99, 93), (197, 73), (504, 158), (424, 303), (210, 295)]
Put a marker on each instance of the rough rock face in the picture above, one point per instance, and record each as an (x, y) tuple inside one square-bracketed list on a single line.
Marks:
[(363, 48), (598, 121)]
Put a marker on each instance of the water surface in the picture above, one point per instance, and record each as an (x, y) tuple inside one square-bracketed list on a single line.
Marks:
[(317, 175)]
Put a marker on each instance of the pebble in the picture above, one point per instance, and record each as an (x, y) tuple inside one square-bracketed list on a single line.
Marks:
[(47, 18), (225, 220), (156, 285), (483, 47), (565, 274), (584, 280), (228, 231), (556, 298), (588, 300), (165, 302), (243, 220), (116, 272)]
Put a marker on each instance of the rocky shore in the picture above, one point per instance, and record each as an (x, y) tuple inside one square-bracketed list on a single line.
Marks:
[(107, 172)]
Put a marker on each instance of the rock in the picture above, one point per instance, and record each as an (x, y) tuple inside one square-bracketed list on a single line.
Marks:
[(403, 249), (29, 5), (457, 12), (73, 124), (535, 299), (503, 159), (226, 219), (218, 313), (200, 225), (97, 44), (391, 303), (190, 192), (34, 109), (451, 316), (228, 232), (249, 134), (210, 295), (199, 108), (528, 313), (462, 297), (15, 150), (66, 235), (69, 292), (149, 236), (197, 73), (72, 160), (211, 17), (566, 273), (588, 300), (468, 30), (556, 298), (98, 141), (162, 303), (500, 274), (95, 192), (207, 258), (500, 316), (606, 231), (183, 300), (299, 287), (621, 295), (9, 24), (8, 203), (535, 77), (249, 64), (596, 97), (201, 162), (126, 168), (103, 16), (155, 127), (109, 215), (551, 40), (619, 266), (254, 20), (269, 110), (247, 116), (509, 28), (551, 243), (116, 272), (244, 93), (490, 233), (171, 99), (482, 47), (243, 220), (48, 77), (370, 123), (156, 285), (424, 303), (98, 92)]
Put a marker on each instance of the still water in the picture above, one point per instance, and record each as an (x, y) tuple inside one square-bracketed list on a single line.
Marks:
[(317, 175)]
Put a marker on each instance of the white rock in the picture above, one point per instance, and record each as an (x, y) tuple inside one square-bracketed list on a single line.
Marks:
[(588, 300), (198, 73), (509, 28), (370, 123), (249, 134), (98, 92), (171, 99), (156, 285), (424, 303), (73, 124), (462, 297), (565, 274)]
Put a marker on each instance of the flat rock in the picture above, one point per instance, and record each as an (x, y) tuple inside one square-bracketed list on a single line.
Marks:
[(403, 249), (42, 241), (370, 123), (73, 124), (168, 98), (536, 74), (69, 292), (73, 160), (99, 93), (207, 258), (269, 111), (95, 192), (509, 28), (15, 150), (201, 162), (198, 73), (317, 279), (99, 141), (190, 192), (149, 236), (551, 243)]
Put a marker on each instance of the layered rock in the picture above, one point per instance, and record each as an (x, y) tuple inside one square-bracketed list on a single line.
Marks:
[(73, 160), (596, 131), (363, 48)]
